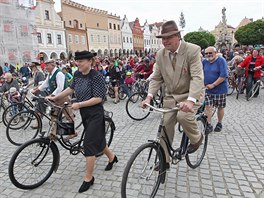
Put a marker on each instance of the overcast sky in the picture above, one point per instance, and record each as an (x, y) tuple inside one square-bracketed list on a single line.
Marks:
[(204, 13)]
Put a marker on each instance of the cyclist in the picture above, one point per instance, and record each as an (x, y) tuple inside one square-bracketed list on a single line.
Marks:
[(251, 62), (179, 66), (89, 87)]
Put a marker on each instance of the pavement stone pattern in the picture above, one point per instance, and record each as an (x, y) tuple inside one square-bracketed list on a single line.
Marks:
[(233, 165)]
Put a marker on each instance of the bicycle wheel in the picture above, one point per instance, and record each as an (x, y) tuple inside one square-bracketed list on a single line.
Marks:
[(133, 108), (33, 163), (231, 86), (121, 94), (109, 133), (140, 179), (9, 111), (253, 90), (23, 127), (195, 159), (239, 88), (111, 92)]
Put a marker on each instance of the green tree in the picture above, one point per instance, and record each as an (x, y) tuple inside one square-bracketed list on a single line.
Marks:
[(203, 39), (251, 34), (182, 21)]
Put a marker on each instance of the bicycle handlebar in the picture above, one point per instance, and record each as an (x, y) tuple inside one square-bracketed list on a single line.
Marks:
[(162, 110)]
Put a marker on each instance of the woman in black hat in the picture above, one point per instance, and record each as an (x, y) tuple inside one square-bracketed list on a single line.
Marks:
[(89, 87)]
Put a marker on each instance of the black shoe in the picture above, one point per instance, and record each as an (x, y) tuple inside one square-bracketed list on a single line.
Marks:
[(86, 185), (218, 127), (157, 167), (110, 164), (208, 129), (193, 147)]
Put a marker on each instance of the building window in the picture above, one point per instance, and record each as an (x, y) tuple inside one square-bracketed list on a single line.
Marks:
[(92, 38), (70, 38), (39, 37), (83, 39), (124, 39), (118, 27), (47, 15), (130, 40), (105, 39), (75, 24), (70, 23), (98, 38), (80, 25), (127, 40), (97, 24), (110, 25), (76, 39), (114, 26), (49, 38), (59, 39)]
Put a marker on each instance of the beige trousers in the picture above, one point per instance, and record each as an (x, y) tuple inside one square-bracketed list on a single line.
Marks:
[(188, 123)]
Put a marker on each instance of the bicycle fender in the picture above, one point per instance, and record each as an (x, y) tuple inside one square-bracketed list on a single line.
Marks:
[(54, 147)]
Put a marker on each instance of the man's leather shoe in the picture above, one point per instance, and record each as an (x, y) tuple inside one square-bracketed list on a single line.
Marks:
[(193, 147)]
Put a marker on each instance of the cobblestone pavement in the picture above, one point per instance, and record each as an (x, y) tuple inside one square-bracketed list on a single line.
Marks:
[(233, 165)]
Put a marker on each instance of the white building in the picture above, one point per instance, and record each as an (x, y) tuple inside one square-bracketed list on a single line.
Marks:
[(50, 31), (127, 36), (146, 34), (16, 28), (154, 42)]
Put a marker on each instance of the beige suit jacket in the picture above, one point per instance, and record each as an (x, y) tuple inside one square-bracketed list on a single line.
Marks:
[(186, 81)]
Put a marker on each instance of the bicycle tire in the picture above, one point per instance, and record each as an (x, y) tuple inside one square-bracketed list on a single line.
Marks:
[(154, 160), (21, 172), (21, 107), (133, 108), (231, 87), (195, 159), (111, 92), (239, 88), (121, 94), (253, 90), (19, 134), (109, 133)]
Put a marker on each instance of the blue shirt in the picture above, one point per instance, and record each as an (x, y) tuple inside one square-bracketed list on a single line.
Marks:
[(212, 71)]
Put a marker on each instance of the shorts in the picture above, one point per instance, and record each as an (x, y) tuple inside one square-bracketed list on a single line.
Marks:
[(216, 100), (115, 83)]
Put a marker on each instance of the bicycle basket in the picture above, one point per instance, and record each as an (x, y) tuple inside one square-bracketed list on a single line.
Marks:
[(65, 128), (240, 71)]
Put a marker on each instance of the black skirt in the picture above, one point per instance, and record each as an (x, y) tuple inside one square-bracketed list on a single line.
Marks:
[(94, 129)]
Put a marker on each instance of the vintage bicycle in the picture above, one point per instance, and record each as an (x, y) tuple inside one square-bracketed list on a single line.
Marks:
[(146, 168)]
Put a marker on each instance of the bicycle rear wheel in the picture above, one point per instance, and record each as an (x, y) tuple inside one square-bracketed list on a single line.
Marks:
[(33, 163), (239, 88), (133, 108), (253, 90), (195, 159), (121, 94), (23, 127), (140, 179)]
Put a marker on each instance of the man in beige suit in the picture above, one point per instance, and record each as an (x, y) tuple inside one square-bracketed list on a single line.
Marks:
[(179, 66)]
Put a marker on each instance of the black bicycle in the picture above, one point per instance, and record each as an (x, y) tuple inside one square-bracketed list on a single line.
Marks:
[(34, 161), (146, 168)]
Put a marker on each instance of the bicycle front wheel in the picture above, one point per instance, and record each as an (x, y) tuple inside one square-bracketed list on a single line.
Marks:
[(133, 108), (141, 177), (195, 159), (253, 90), (32, 163), (231, 86), (23, 127)]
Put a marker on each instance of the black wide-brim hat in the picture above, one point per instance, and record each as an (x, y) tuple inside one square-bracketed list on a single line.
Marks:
[(84, 55)]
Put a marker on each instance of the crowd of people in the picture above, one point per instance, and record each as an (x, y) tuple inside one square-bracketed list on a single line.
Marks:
[(189, 75)]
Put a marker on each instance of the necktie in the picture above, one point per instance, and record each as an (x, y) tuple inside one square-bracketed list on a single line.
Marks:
[(173, 62)]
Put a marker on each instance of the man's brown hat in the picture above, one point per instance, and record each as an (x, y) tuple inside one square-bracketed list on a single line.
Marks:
[(168, 28)]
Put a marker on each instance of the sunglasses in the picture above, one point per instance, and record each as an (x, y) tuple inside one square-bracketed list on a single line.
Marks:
[(208, 53)]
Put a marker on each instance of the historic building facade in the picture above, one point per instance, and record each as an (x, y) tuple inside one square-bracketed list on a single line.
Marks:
[(17, 25), (73, 15), (97, 30), (154, 42), (127, 37), (115, 36), (50, 31), (138, 38), (147, 35)]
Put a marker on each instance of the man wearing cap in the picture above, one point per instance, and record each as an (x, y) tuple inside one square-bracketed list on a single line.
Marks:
[(179, 66), (55, 83)]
